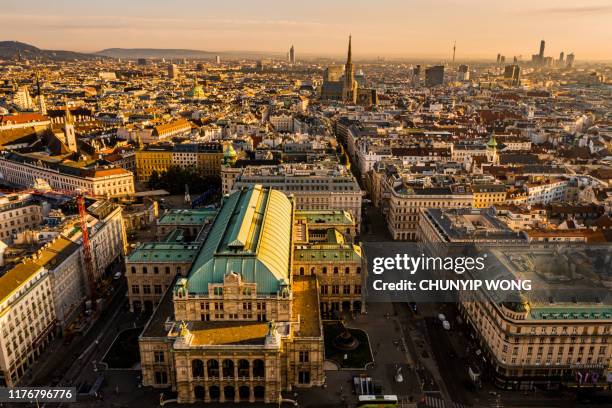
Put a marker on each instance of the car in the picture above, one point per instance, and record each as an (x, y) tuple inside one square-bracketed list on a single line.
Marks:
[(446, 325)]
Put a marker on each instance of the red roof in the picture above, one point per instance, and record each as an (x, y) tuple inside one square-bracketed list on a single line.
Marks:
[(22, 118)]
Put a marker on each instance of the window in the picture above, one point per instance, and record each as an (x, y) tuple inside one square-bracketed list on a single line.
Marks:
[(346, 289), (161, 377), (146, 289), (158, 356), (157, 289), (167, 270), (347, 270), (358, 289), (304, 356), (358, 270), (324, 289), (133, 269), (218, 291), (324, 270), (155, 270), (135, 289), (144, 269), (335, 289), (304, 377)]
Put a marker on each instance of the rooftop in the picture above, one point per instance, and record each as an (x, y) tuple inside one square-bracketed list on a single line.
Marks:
[(228, 333), (186, 217), (306, 305), (251, 236)]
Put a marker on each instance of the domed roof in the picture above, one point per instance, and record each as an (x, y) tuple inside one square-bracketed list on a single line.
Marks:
[(197, 92), (492, 142), (229, 151)]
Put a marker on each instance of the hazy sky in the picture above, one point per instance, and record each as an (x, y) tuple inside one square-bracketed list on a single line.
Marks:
[(392, 28)]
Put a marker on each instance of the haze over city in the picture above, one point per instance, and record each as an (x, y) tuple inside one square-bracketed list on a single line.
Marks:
[(386, 28)]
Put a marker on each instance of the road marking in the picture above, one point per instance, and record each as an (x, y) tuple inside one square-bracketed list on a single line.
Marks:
[(440, 403)]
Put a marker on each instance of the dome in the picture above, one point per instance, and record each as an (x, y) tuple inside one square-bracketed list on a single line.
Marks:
[(197, 91), (492, 143)]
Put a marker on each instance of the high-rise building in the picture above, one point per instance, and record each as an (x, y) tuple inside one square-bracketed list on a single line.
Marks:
[(463, 73), (570, 60), (513, 73), (502, 59), (498, 58), (217, 59), (561, 58), (542, 46), (434, 76), (292, 55), (173, 71)]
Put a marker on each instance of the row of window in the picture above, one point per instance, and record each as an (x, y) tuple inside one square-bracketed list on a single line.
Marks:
[(146, 289), (145, 270), (336, 270), (335, 289)]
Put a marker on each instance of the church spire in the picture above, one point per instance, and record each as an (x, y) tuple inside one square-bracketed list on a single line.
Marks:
[(349, 57), (69, 120)]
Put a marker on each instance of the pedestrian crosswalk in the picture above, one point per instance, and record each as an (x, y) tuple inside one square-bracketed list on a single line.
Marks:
[(434, 402)]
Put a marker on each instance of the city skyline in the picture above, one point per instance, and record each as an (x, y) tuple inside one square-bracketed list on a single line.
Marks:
[(390, 29)]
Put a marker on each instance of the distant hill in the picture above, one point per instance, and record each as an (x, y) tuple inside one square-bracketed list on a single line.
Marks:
[(171, 53), (155, 53), (10, 49)]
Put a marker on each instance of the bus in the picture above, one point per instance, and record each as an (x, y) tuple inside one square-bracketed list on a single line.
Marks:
[(378, 401)]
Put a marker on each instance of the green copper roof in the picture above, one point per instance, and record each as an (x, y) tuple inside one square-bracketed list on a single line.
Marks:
[(251, 236), (571, 312), (154, 252), (492, 142), (325, 216), (186, 217), (328, 252)]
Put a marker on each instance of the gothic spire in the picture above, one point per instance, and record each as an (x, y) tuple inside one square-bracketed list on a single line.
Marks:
[(69, 119), (349, 58)]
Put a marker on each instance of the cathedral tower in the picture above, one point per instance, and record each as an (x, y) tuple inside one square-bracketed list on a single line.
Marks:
[(69, 133), (349, 86)]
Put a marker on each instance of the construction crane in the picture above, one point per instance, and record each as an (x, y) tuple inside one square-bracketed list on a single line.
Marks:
[(79, 196), (88, 259)]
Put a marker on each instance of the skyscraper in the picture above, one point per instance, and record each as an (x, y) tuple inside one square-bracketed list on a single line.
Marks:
[(218, 59), (570, 60), (173, 71), (434, 76), (542, 45), (463, 73), (513, 73), (292, 55)]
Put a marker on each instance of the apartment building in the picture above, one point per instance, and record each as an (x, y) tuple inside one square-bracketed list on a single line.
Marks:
[(404, 202), (319, 186), (559, 341), (27, 318), (26, 169), (18, 213)]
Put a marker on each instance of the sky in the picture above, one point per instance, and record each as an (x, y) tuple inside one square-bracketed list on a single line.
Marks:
[(385, 28)]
